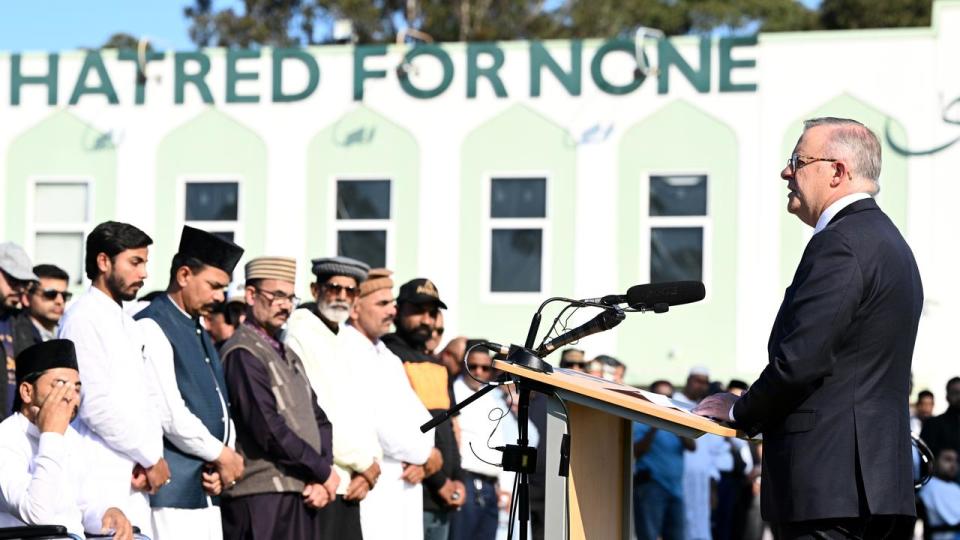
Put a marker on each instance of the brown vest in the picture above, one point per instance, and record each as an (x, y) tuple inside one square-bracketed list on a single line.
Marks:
[(294, 403)]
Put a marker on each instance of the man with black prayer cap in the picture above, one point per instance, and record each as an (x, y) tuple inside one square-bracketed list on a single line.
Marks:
[(44, 476), (282, 433), (185, 370)]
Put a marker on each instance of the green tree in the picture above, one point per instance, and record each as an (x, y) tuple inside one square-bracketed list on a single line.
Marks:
[(121, 40), (842, 14)]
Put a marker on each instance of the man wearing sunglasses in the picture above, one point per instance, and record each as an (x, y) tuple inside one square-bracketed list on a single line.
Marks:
[(16, 275), (43, 306), (833, 401), (314, 334), (484, 480)]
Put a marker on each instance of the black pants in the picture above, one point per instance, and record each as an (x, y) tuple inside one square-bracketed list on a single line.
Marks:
[(340, 520), (869, 528)]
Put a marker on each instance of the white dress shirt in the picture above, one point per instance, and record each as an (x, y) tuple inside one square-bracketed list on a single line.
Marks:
[(117, 403), (180, 426), (835, 209), (44, 479), (393, 510), (339, 381), (477, 434)]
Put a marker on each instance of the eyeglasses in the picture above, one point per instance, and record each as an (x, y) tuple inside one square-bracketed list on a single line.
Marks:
[(479, 367), (52, 294), (278, 297), (797, 161), (335, 289)]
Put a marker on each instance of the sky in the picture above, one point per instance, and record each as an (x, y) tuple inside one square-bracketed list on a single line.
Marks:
[(58, 25)]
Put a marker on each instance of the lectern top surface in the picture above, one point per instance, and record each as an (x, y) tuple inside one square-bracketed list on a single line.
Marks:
[(620, 395)]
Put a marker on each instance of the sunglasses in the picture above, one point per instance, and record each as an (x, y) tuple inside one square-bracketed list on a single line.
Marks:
[(479, 367), (335, 289), (52, 294)]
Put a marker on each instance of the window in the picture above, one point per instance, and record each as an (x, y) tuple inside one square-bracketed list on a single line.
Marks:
[(517, 234), (213, 205), (677, 227), (61, 218), (363, 220)]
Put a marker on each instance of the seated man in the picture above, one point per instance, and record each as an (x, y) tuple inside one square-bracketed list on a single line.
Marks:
[(42, 470), (941, 497)]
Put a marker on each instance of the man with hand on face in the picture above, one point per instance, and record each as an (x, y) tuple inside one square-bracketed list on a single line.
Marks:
[(118, 410), (44, 479), (282, 433), (185, 369), (417, 307), (394, 510), (43, 305), (315, 335), (833, 401)]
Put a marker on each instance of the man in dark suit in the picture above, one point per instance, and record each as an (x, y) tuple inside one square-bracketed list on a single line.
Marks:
[(832, 403)]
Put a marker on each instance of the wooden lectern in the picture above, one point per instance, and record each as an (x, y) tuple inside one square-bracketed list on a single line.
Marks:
[(599, 414)]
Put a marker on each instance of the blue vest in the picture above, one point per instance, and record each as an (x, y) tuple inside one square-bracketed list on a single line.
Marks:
[(200, 380)]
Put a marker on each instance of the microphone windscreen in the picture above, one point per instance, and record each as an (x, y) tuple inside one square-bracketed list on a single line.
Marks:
[(673, 293)]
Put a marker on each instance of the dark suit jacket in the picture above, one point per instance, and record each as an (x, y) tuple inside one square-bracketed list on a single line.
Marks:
[(832, 403)]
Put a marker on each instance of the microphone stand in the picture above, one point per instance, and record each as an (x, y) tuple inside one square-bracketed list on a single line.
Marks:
[(519, 458)]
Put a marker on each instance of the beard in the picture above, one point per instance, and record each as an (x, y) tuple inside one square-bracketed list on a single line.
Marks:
[(416, 336), (336, 312), (119, 288)]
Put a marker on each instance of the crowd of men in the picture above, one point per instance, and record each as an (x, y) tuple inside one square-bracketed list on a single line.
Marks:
[(218, 411)]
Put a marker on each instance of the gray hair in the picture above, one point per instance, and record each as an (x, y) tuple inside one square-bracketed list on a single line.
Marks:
[(855, 141)]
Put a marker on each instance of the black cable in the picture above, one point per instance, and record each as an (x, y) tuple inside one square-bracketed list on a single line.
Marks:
[(466, 367)]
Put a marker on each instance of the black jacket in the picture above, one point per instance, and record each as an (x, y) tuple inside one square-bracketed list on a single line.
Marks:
[(25, 334), (833, 401), (942, 431), (430, 381)]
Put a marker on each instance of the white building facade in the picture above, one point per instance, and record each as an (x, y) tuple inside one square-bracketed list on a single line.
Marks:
[(505, 172)]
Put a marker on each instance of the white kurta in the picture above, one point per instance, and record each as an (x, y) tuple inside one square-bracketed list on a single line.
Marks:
[(394, 508), (44, 480), (187, 432), (118, 405), (337, 380)]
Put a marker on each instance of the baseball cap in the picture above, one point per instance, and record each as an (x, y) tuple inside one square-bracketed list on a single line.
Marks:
[(420, 291), (15, 262)]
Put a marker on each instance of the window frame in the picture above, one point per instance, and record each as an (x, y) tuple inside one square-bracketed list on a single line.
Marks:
[(236, 226), (83, 228), (388, 225), (488, 224), (649, 222)]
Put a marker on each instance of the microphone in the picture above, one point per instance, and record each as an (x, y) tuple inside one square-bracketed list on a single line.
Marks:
[(606, 320), (670, 293), (652, 295)]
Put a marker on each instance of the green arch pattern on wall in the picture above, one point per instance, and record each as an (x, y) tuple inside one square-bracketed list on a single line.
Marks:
[(212, 145), (364, 144), (515, 142), (893, 175), (681, 138), (61, 145)]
